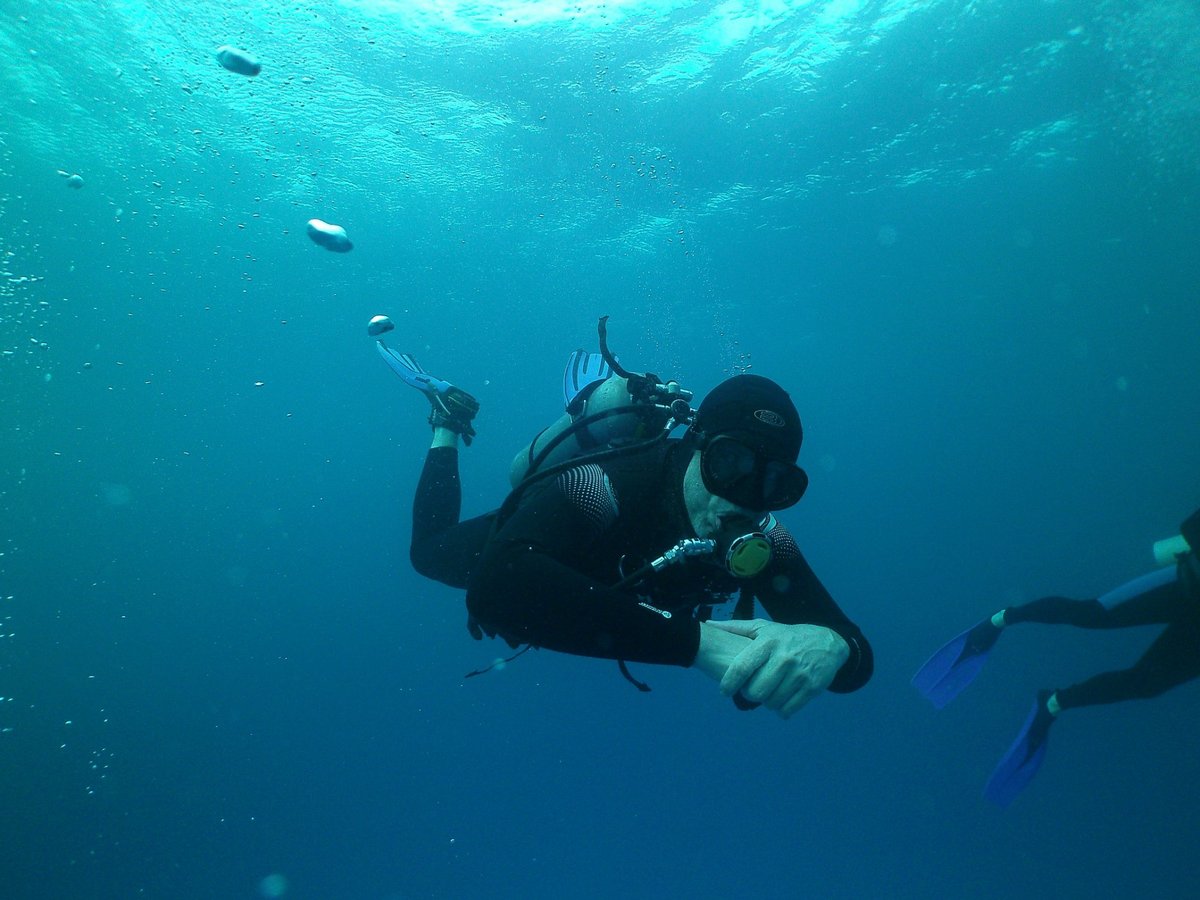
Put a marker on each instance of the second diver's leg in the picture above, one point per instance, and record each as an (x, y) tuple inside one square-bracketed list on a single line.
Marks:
[(1154, 607), (1056, 611), (1169, 662)]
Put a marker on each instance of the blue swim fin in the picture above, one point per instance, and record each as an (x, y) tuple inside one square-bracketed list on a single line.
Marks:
[(583, 370), (1024, 757), (410, 370), (452, 407), (947, 673)]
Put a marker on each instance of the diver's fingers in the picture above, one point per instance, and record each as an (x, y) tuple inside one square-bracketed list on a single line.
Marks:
[(743, 667), (745, 627), (798, 700)]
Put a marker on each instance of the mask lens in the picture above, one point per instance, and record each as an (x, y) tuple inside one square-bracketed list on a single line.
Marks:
[(727, 462), (783, 484), (728, 470), (733, 471)]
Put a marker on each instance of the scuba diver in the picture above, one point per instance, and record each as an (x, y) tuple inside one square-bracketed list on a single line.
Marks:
[(1169, 596), (617, 540)]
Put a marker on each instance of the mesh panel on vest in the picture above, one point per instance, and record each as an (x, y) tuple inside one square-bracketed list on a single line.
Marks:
[(782, 542), (588, 488)]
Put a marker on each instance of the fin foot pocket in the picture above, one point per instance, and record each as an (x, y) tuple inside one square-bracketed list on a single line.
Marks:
[(454, 410)]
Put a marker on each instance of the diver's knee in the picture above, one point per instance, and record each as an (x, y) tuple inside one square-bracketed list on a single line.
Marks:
[(1147, 687), (424, 562)]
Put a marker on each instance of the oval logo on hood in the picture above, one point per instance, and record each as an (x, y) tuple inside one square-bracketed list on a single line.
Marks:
[(769, 418)]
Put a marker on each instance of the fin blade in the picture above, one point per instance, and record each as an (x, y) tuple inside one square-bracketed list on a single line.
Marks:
[(950, 670), (583, 370), (1023, 759), (410, 370)]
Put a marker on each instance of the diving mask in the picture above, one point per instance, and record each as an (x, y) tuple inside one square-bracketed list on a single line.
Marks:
[(737, 473)]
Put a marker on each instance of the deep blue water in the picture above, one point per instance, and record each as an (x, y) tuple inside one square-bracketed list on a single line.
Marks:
[(961, 234)]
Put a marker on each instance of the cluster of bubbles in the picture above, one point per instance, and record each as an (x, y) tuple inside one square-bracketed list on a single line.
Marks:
[(12, 314), (6, 632), (23, 318), (234, 59), (98, 762), (323, 234), (22, 315)]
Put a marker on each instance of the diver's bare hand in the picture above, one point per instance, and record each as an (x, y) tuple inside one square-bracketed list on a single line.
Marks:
[(783, 666)]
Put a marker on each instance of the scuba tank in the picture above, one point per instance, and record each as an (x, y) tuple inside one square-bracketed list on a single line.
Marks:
[(614, 410), (618, 412), (583, 428)]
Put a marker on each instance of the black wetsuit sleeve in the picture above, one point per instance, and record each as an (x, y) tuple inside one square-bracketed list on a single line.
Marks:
[(791, 594), (530, 585), (1190, 529)]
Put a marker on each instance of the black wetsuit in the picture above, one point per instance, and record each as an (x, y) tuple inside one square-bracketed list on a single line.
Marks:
[(545, 575), (1173, 658)]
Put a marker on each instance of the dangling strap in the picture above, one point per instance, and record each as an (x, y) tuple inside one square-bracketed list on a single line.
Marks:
[(498, 662), (745, 605), (640, 685)]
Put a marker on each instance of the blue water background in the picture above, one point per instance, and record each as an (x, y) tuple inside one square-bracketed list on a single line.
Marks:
[(962, 234)]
